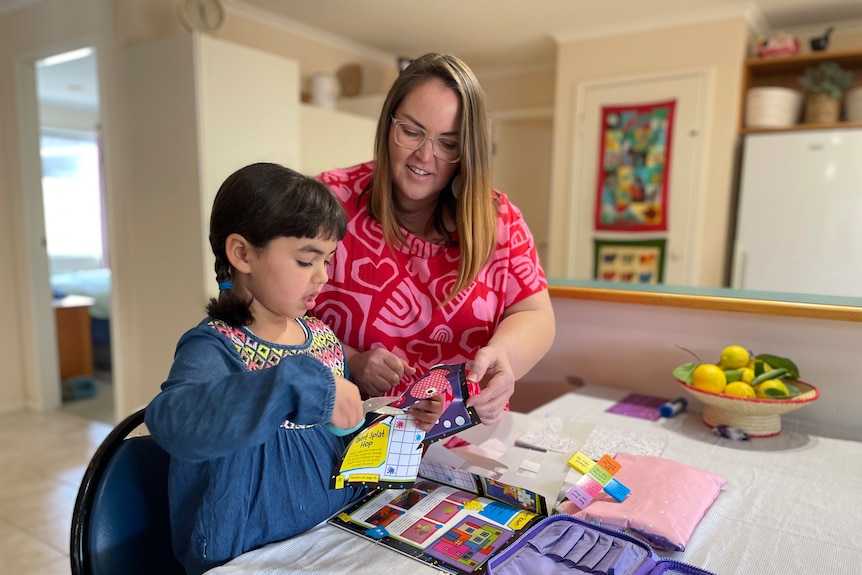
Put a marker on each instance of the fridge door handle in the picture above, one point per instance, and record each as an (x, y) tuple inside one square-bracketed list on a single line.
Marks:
[(738, 266)]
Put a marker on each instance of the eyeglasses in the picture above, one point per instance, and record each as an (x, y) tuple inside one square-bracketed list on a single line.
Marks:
[(413, 137)]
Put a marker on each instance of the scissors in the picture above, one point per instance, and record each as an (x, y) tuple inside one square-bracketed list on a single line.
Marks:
[(373, 404)]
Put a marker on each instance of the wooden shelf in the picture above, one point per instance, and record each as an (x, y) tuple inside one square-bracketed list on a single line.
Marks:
[(803, 127), (785, 71)]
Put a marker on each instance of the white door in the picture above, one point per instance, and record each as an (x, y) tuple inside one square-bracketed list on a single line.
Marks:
[(688, 90), (521, 169)]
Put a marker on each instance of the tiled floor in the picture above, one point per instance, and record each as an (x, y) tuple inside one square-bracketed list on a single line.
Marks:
[(99, 407), (42, 461)]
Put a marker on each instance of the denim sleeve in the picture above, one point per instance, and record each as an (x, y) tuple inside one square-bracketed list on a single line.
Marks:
[(210, 406)]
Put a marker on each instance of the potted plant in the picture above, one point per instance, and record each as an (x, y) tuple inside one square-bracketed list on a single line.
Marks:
[(826, 84)]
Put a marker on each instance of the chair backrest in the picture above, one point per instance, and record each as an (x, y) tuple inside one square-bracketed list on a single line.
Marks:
[(120, 523)]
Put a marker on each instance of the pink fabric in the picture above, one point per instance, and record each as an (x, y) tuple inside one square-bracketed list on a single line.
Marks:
[(382, 297), (667, 500)]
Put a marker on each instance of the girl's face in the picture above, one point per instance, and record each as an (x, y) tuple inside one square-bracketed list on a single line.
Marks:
[(418, 175), (287, 276)]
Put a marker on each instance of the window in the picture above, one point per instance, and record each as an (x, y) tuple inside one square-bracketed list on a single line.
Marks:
[(72, 195)]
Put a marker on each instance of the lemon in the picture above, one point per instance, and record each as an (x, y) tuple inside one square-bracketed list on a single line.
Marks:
[(771, 389), (739, 389), (734, 357), (747, 374), (708, 377)]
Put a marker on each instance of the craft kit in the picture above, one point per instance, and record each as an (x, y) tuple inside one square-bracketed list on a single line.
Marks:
[(469, 505), (448, 518), (388, 451), (562, 544)]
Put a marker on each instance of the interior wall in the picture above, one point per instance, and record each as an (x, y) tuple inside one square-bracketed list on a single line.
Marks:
[(517, 88), (719, 46), (52, 26), (26, 35), (634, 347)]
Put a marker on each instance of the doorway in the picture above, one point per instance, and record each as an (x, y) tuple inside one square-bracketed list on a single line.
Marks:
[(71, 209), (689, 92)]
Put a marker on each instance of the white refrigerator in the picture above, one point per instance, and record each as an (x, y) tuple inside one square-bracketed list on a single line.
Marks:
[(799, 214)]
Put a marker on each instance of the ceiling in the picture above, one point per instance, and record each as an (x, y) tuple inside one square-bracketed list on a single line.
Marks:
[(495, 32), (484, 32), (72, 84)]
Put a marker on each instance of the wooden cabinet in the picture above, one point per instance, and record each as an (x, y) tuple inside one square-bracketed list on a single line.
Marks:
[(74, 335), (785, 72)]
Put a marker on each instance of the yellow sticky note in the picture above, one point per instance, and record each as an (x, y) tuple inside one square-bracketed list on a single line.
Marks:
[(521, 519), (581, 463)]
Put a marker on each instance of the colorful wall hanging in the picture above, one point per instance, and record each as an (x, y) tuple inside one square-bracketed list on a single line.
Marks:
[(634, 167), (637, 261)]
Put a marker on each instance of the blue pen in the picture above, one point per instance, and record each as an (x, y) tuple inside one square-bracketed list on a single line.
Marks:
[(671, 408)]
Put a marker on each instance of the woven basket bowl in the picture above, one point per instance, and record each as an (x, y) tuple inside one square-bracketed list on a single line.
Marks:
[(757, 417)]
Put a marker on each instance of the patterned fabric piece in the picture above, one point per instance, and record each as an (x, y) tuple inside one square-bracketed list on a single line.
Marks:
[(386, 297), (256, 353)]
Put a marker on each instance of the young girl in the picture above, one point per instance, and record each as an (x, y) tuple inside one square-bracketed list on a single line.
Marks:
[(243, 411)]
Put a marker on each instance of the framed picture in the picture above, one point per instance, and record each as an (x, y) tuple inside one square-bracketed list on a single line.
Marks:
[(632, 191), (637, 261)]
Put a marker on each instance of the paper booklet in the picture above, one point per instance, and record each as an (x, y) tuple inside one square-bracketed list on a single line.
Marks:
[(388, 452), (448, 518)]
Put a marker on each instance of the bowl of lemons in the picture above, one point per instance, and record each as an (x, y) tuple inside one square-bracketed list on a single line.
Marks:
[(745, 390)]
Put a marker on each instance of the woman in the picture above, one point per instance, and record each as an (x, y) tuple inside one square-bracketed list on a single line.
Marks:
[(436, 267)]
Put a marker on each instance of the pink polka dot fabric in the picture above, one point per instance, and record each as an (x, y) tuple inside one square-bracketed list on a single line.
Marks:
[(667, 500)]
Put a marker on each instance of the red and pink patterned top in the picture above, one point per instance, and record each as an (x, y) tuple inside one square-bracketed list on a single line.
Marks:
[(390, 298)]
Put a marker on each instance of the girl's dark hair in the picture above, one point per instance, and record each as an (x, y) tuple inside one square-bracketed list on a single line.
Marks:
[(262, 202)]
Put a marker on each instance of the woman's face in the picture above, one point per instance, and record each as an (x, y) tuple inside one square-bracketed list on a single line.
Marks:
[(418, 175)]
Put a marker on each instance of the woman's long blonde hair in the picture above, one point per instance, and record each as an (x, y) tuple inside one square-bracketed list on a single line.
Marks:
[(472, 202)]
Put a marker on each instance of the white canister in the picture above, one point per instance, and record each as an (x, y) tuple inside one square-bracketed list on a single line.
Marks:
[(323, 90), (772, 107), (853, 105)]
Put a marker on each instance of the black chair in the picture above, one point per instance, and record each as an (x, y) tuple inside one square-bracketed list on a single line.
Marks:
[(120, 523)]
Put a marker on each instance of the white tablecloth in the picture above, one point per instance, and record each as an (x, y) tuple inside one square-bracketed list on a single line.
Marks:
[(792, 503)]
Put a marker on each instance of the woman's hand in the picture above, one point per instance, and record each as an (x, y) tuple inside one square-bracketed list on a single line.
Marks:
[(491, 369), (378, 370), (347, 412), (427, 412)]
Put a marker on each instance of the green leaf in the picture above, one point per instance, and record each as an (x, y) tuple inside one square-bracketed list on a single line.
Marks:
[(758, 368), (683, 372), (733, 375), (777, 373), (792, 390), (773, 393), (776, 361)]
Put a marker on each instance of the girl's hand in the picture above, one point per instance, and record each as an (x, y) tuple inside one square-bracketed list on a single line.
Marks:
[(427, 412), (347, 412), (378, 370)]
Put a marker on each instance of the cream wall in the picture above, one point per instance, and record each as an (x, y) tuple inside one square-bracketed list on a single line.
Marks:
[(599, 329), (37, 31), (719, 46), (517, 88), (52, 26), (633, 346)]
